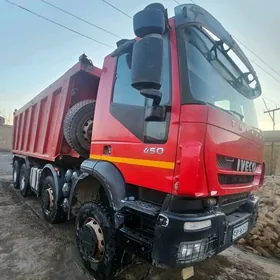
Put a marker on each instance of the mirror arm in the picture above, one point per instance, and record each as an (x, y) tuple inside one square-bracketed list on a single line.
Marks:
[(124, 48)]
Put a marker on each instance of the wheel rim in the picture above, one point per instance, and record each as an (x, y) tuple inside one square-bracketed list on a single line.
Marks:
[(15, 176), (22, 183), (87, 130), (91, 240), (48, 200)]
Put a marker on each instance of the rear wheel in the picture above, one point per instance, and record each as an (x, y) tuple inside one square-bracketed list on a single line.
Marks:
[(95, 238), (51, 206), (16, 172), (77, 127), (23, 181)]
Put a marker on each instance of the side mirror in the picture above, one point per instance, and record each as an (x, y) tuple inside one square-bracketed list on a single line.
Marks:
[(151, 20), (147, 55), (154, 113), (147, 60), (154, 94)]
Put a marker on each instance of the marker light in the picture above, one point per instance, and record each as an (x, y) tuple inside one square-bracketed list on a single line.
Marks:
[(193, 226)]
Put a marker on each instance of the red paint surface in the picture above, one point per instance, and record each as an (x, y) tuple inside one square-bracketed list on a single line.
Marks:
[(108, 131), (225, 138), (206, 132)]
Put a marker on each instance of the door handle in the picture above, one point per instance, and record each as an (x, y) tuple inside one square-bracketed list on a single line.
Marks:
[(107, 150)]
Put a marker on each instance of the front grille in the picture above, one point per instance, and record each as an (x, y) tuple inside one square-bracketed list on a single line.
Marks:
[(230, 163), (235, 179), (225, 162)]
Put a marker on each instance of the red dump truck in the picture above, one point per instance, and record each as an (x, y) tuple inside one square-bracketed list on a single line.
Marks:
[(157, 154)]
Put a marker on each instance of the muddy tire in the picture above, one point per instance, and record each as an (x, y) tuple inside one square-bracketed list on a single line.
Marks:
[(95, 237), (77, 126), (24, 181), (16, 172), (52, 210)]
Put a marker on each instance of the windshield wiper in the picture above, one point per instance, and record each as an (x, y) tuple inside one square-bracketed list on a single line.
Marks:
[(232, 112), (241, 116)]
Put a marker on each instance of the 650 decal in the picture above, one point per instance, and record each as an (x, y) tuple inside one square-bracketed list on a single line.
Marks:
[(154, 151)]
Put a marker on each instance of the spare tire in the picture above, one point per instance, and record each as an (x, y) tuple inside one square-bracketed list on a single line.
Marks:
[(77, 126)]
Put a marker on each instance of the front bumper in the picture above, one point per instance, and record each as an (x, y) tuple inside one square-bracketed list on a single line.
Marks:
[(172, 242)]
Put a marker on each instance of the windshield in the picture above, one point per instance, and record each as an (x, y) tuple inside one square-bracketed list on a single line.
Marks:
[(214, 78)]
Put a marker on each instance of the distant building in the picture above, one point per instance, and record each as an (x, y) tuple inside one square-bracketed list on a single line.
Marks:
[(2, 120)]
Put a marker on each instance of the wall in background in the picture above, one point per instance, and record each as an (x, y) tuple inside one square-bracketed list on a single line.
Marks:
[(272, 152), (5, 137)]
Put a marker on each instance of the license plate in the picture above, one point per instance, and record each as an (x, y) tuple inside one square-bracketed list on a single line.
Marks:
[(187, 272), (240, 230)]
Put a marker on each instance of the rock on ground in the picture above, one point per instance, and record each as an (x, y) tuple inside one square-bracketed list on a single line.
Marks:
[(265, 237)]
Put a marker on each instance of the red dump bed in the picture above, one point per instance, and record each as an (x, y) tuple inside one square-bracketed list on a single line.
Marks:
[(38, 126)]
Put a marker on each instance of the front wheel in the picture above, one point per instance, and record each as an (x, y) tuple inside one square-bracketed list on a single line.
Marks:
[(95, 238)]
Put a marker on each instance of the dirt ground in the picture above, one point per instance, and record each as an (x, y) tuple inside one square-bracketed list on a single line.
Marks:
[(32, 249)]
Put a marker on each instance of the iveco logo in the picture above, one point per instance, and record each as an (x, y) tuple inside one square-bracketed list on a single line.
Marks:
[(246, 165)]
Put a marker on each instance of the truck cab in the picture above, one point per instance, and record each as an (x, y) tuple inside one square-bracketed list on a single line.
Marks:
[(175, 153)]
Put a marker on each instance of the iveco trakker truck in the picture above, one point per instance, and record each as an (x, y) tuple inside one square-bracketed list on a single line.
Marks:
[(157, 154)]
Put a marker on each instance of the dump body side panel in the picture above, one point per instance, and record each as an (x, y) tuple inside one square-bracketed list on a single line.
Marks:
[(38, 126)]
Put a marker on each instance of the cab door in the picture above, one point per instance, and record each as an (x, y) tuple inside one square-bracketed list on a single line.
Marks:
[(144, 151)]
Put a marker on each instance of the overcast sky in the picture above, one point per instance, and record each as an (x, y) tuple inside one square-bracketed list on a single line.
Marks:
[(35, 52)]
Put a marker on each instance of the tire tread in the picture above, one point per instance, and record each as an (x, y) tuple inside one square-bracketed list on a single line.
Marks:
[(112, 246), (70, 121)]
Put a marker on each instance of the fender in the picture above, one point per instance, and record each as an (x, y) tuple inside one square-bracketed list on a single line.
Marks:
[(25, 159), (27, 163), (58, 176), (75, 182), (109, 177)]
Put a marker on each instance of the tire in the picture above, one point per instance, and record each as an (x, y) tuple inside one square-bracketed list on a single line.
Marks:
[(78, 121), (24, 181), (53, 212), (16, 173), (103, 257)]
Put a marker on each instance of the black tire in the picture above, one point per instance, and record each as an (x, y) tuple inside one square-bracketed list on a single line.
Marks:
[(52, 212), (79, 118), (108, 262), (16, 173), (24, 181)]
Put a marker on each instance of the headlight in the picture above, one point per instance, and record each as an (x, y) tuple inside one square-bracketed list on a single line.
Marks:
[(193, 251)]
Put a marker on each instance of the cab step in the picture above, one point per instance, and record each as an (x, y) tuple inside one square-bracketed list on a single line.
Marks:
[(142, 207), (135, 241), (137, 236)]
